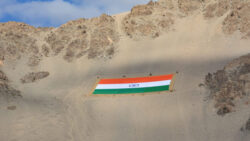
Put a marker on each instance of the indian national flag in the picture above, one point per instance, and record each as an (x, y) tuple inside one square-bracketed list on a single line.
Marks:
[(134, 85)]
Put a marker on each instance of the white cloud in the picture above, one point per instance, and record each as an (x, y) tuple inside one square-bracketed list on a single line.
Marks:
[(57, 12), (116, 6), (52, 13)]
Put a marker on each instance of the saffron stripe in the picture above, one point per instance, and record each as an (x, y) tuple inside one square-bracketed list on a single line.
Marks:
[(133, 85), (136, 80), (133, 90)]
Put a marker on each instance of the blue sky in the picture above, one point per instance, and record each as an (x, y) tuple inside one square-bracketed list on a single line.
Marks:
[(56, 12)]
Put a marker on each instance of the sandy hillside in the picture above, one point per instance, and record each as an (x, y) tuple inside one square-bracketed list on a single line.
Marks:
[(47, 74)]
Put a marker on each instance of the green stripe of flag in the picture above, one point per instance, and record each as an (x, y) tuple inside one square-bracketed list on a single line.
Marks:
[(131, 90)]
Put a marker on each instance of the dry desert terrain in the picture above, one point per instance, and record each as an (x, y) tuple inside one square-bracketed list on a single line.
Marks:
[(47, 74)]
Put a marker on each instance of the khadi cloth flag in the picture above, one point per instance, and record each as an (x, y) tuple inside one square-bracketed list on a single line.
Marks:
[(134, 85)]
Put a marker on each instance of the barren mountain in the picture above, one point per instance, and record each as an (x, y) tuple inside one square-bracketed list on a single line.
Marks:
[(47, 74)]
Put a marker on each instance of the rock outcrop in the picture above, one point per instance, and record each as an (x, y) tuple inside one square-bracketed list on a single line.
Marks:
[(155, 18), (237, 14), (230, 85), (149, 20), (246, 126), (95, 38), (7, 92), (34, 76), (3, 77), (189, 6)]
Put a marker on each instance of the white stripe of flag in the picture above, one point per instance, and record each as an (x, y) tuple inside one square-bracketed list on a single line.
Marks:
[(134, 85)]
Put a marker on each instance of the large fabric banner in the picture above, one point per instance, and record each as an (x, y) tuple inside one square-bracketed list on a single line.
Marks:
[(134, 85)]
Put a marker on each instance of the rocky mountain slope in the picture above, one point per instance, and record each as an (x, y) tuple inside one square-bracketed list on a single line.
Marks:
[(98, 37), (46, 75)]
